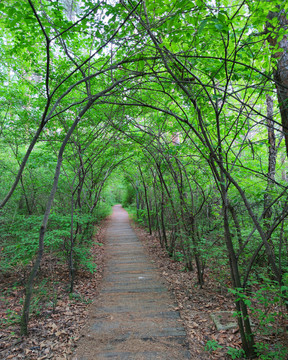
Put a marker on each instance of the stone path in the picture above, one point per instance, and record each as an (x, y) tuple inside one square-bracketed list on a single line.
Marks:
[(134, 317)]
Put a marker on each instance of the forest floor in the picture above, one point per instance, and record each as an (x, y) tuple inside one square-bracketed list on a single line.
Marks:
[(57, 317), (56, 322), (195, 304), (198, 305)]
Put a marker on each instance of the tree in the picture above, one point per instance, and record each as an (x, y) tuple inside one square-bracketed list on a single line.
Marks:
[(183, 92), (218, 107), (79, 87)]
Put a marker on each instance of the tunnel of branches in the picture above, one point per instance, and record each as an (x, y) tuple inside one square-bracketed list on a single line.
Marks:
[(176, 110)]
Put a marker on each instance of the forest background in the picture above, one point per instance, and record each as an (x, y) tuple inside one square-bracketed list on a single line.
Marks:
[(178, 110)]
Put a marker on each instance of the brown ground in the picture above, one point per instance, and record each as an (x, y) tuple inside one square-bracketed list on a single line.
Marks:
[(196, 306), (53, 334)]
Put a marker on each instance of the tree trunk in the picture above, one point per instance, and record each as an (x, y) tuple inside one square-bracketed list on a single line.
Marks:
[(237, 225), (242, 312), (70, 257), (158, 225), (281, 71), (35, 268), (146, 201), (271, 160)]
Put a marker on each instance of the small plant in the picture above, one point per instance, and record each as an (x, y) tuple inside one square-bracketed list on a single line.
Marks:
[(235, 353), (212, 345), (75, 296), (82, 257), (45, 296), (12, 317), (178, 256), (272, 352), (78, 297)]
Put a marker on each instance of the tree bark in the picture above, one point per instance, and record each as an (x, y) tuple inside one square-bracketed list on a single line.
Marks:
[(271, 160), (281, 70), (35, 268), (146, 201), (242, 312)]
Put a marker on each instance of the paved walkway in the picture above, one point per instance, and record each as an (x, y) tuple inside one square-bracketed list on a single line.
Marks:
[(133, 318)]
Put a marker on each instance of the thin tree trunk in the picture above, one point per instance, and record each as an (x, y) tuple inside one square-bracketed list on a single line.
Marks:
[(70, 258), (35, 268), (242, 312), (157, 211), (271, 161), (237, 224), (163, 221), (146, 201)]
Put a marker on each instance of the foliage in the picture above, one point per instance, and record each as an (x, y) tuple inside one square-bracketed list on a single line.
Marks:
[(163, 106), (212, 345), (236, 353)]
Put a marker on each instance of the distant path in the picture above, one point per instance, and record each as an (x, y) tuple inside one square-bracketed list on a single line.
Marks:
[(133, 318)]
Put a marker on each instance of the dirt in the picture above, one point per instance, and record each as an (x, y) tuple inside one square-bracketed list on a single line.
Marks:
[(196, 305), (55, 333), (52, 331)]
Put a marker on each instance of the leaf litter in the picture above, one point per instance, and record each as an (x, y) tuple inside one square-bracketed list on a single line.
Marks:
[(53, 328), (196, 305), (53, 332)]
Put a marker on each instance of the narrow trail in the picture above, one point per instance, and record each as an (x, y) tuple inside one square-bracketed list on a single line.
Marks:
[(133, 318)]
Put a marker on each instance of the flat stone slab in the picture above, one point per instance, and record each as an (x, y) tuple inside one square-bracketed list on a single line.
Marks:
[(133, 318), (224, 320)]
